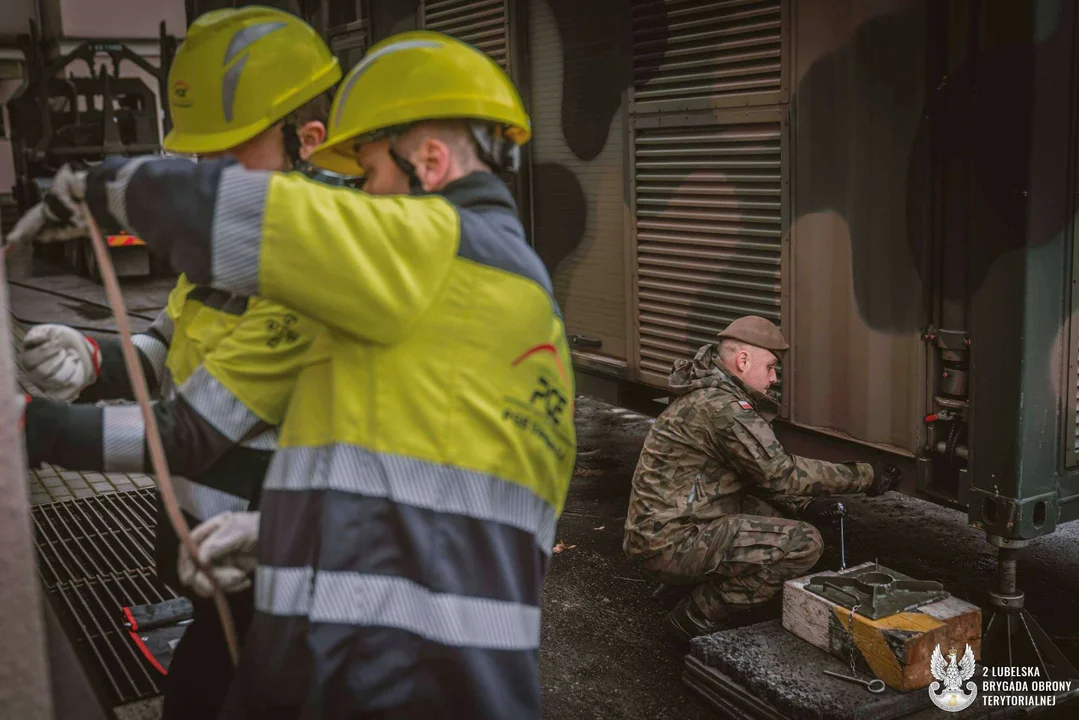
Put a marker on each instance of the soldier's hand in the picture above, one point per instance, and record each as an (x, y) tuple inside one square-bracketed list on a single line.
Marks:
[(823, 510), (885, 477)]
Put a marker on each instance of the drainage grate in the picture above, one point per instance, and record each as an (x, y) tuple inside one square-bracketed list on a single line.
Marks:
[(95, 555)]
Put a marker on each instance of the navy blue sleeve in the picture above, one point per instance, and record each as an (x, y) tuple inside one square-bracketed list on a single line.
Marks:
[(167, 202), (63, 434), (113, 438), (112, 380)]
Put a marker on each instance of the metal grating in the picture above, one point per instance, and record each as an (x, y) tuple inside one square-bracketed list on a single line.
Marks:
[(689, 49), (708, 224), (482, 24), (95, 555)]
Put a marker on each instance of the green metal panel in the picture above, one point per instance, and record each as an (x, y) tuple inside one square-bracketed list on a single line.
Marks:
[(1019, 360)]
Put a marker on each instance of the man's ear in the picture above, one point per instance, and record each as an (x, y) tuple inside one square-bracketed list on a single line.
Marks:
[(437, 154), (312, 134), (433, 163)]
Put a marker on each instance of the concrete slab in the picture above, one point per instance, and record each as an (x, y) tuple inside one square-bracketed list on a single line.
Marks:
[(786, 673), (765, 671)]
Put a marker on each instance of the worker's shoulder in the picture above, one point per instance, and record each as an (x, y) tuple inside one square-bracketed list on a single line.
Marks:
[(477, 212), (718, 403), (495, 238), (179, 292), (183, 285), (190, 304)]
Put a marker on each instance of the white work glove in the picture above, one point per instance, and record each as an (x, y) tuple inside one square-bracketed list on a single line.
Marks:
[(60, 360), (58, 216), (226, 547)]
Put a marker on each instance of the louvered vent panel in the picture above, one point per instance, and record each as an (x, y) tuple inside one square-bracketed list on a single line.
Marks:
[(708, 234), (481, 23), (694, 49)]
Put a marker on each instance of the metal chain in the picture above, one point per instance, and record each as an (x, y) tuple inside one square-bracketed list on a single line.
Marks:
[(853, 672)]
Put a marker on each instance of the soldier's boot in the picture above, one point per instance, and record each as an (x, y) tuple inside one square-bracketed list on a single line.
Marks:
[(670, 595), (688, 621)]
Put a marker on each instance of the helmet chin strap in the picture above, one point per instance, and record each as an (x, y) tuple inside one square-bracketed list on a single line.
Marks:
[(415, 187), (292, 145)]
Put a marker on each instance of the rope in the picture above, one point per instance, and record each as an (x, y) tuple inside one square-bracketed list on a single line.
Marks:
[(153, 437)]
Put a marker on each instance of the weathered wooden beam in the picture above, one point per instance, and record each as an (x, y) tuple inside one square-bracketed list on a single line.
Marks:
[(897, 648)]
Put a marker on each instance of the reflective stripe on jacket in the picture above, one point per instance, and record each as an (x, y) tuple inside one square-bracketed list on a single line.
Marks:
[(408, 519)]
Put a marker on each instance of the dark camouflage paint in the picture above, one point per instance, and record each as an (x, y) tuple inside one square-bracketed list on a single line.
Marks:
[(968, 166), (964, 119), (921, 141), (595, 39), (712, 487)]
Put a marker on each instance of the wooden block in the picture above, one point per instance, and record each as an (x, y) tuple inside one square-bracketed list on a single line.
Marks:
[(896, 648)]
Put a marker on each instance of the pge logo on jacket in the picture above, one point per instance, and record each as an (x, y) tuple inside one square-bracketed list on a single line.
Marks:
[(543, 406), (550, 399)]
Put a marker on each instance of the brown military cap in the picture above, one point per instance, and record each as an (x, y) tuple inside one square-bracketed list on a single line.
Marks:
[(755, 330)]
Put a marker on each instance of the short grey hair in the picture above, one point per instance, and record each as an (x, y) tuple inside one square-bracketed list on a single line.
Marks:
[(457, 136), (728, 349)]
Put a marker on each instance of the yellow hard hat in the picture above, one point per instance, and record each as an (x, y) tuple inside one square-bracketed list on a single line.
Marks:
[(240, 71), (413, 76)]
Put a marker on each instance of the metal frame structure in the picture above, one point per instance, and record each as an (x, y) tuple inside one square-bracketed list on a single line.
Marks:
[(88, 127), (42, 77), (95, 555), (1022, 336)]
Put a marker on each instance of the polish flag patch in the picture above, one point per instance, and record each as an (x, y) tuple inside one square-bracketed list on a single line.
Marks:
[(744, 405)]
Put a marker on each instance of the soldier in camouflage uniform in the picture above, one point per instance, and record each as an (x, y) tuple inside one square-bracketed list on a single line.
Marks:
[(714, 493)]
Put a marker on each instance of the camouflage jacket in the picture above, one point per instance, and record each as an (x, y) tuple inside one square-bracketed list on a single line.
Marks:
[(711, 446)]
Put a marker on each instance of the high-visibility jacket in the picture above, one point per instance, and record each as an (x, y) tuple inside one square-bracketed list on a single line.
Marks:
[(408, 521), (225, 365)]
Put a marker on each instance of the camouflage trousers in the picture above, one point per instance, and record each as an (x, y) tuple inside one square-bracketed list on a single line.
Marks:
[(738, 561)]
